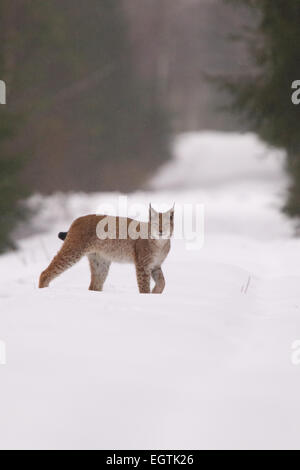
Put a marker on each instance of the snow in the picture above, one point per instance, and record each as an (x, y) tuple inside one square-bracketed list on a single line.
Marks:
[(206, 365)]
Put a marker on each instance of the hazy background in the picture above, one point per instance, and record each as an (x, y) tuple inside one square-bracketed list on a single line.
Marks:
[(127, 97), (97, 90)]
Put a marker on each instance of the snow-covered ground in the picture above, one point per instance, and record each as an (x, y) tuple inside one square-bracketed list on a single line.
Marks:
[(205, 365)]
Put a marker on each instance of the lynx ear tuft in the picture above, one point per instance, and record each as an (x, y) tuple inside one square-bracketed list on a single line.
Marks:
[(152, 210)]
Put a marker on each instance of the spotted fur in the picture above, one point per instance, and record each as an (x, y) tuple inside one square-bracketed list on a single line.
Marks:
[(147, 254)]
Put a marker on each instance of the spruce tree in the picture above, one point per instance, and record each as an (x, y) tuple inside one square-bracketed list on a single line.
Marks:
[(10, 189), (11, 192), (264, 96)]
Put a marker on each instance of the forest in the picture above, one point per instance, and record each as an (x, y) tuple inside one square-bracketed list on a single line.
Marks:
[(95, 95)]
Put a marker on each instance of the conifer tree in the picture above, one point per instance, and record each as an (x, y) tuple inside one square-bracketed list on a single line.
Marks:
[(11, 190), (264, 96)]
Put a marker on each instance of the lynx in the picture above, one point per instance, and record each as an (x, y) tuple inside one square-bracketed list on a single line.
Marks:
[(147, 253)]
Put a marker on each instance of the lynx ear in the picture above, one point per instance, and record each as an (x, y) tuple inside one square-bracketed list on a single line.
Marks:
[(151, 210)]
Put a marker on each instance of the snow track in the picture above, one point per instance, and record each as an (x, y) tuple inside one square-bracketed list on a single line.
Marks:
[(205, 365)]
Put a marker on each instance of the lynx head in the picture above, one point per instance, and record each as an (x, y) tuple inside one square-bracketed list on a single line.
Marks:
[(161, 223)]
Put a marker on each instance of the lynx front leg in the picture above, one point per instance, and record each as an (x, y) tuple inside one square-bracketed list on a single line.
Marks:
[(158, 277), (99, 271), (64, 260), (143, 279)]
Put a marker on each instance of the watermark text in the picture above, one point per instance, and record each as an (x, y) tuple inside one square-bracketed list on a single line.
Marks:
[(2, 353), (125, 221), (295, 356), (2, 92), (296, 93)]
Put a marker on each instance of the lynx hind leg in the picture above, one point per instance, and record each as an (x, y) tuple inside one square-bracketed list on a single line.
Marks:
[(65, 259), (99, 271), (158, 277)]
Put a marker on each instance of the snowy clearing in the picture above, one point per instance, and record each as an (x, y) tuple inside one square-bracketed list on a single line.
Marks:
[(207, 365)]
